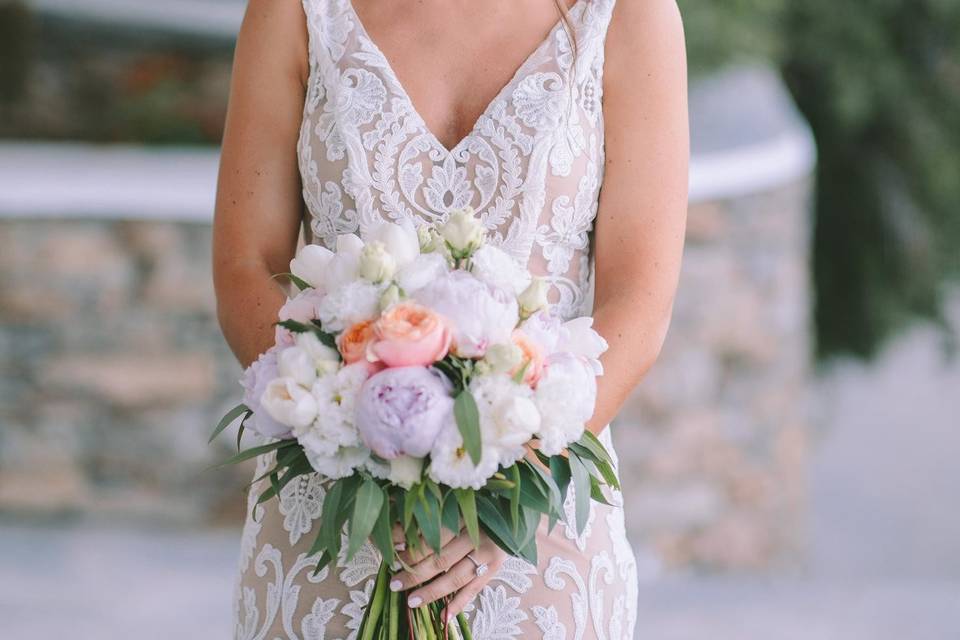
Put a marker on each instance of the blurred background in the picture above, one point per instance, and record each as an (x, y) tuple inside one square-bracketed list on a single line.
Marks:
[(790, 464)]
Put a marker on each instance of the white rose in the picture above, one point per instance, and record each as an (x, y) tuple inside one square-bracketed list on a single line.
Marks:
[(421, 272), (376, 263), (480, 316), (463, 232), (565, 396), (296, 363), (289, 403), (356, 301), (502, 357), (450, 463), (495, 267), (311, 264), (325, 359), (578, 337), (534, 297), (508, 416), (400, 240), (344, 267)]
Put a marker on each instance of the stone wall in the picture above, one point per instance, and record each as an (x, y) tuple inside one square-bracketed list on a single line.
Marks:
[(114, 372), (713, 441)]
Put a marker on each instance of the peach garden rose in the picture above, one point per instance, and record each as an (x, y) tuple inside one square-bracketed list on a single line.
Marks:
[(409, 334)]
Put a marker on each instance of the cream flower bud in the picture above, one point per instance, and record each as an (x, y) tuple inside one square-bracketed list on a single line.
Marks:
[(502, 357), (534, 297), (288, 403), (390, 296), (376, 263), (425, 238), (463, 233), (325, 359)]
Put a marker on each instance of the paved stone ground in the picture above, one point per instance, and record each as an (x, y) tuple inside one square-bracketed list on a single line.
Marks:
[(885, 541)]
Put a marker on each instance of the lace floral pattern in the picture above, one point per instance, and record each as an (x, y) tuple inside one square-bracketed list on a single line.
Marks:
[(532, 165)]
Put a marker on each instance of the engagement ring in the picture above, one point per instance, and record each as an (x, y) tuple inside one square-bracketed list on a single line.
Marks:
[(481, 567)]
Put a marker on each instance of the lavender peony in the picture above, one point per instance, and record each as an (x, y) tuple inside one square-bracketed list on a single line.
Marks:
[(254, 381), (402, 409)]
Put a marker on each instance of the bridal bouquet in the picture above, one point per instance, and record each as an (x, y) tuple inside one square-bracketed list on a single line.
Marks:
[(424, 374)]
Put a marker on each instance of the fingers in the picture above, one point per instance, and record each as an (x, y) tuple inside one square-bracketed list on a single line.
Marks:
[(415, 556), (460, 575), (433, 564), (466, 595)]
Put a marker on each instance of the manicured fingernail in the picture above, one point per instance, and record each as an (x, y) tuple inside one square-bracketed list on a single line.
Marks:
[(396, 585), (414, 602), (400, 546)]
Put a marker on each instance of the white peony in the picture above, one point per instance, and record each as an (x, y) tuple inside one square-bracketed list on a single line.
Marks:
[(341, 464), (508, 416), (289, 403), (356, 301), (344, 267), (421, 272), (479, 315), (450, 463), (565, 395), (400, 240), (543, 328), (325, 359), (578, 337), (335, 425), (495, 267), (311, 264), (376, 263), (296, 363)]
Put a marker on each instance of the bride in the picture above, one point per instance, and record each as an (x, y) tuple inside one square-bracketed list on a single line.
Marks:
[(564, 125)]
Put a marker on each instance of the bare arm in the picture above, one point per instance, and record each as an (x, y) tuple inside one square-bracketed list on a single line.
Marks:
[(643, 203), (259, 207)]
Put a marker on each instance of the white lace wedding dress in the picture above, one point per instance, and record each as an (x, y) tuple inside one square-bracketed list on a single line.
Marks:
[(532, 166)]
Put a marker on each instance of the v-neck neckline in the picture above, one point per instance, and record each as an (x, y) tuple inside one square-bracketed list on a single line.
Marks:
[(504, 90)]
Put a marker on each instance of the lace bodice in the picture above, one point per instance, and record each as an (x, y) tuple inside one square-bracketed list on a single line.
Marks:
[(531, 165)]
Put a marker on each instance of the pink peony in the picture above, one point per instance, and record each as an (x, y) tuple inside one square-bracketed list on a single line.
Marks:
[(408, 334), (401, 411)]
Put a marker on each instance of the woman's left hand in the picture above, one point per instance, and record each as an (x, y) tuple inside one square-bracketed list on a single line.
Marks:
[(434, 576)]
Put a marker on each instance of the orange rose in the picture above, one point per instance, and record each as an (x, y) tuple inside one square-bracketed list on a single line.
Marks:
[(532, 358), (409, 334), (354, 341)]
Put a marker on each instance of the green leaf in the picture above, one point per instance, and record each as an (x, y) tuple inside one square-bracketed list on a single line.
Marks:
[(468, 421), (531, 520), (533, 494), (366, 510), (228, 419), (427, 512), (560, 470), (603, 467), (256, 451), (300, 283), (492, 519), (328, 514), (518, 376), (581, 488), (514, 471), (553, 489), (466, 498), (382, 535), (450, 513), (596, 493)]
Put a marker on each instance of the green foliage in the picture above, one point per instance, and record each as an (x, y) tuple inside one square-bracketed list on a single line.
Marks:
[(879, 82)]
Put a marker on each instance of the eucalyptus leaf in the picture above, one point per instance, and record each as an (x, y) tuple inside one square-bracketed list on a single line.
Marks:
[(427, 513), (466, 498), (366, 510), (468, 421), (228, 419), (256, 451), (581, 489)]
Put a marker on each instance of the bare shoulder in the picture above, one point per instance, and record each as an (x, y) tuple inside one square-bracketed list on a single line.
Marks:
[(645, 42), (274, 34)]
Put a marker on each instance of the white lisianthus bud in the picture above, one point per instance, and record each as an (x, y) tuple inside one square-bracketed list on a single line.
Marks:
[(288, 403), (463, 233), (534, 297), (376, 263), (325, 359), (405, 471), (390, 296), (425, 237), (296, 363), (502, 357), (310, 264)]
